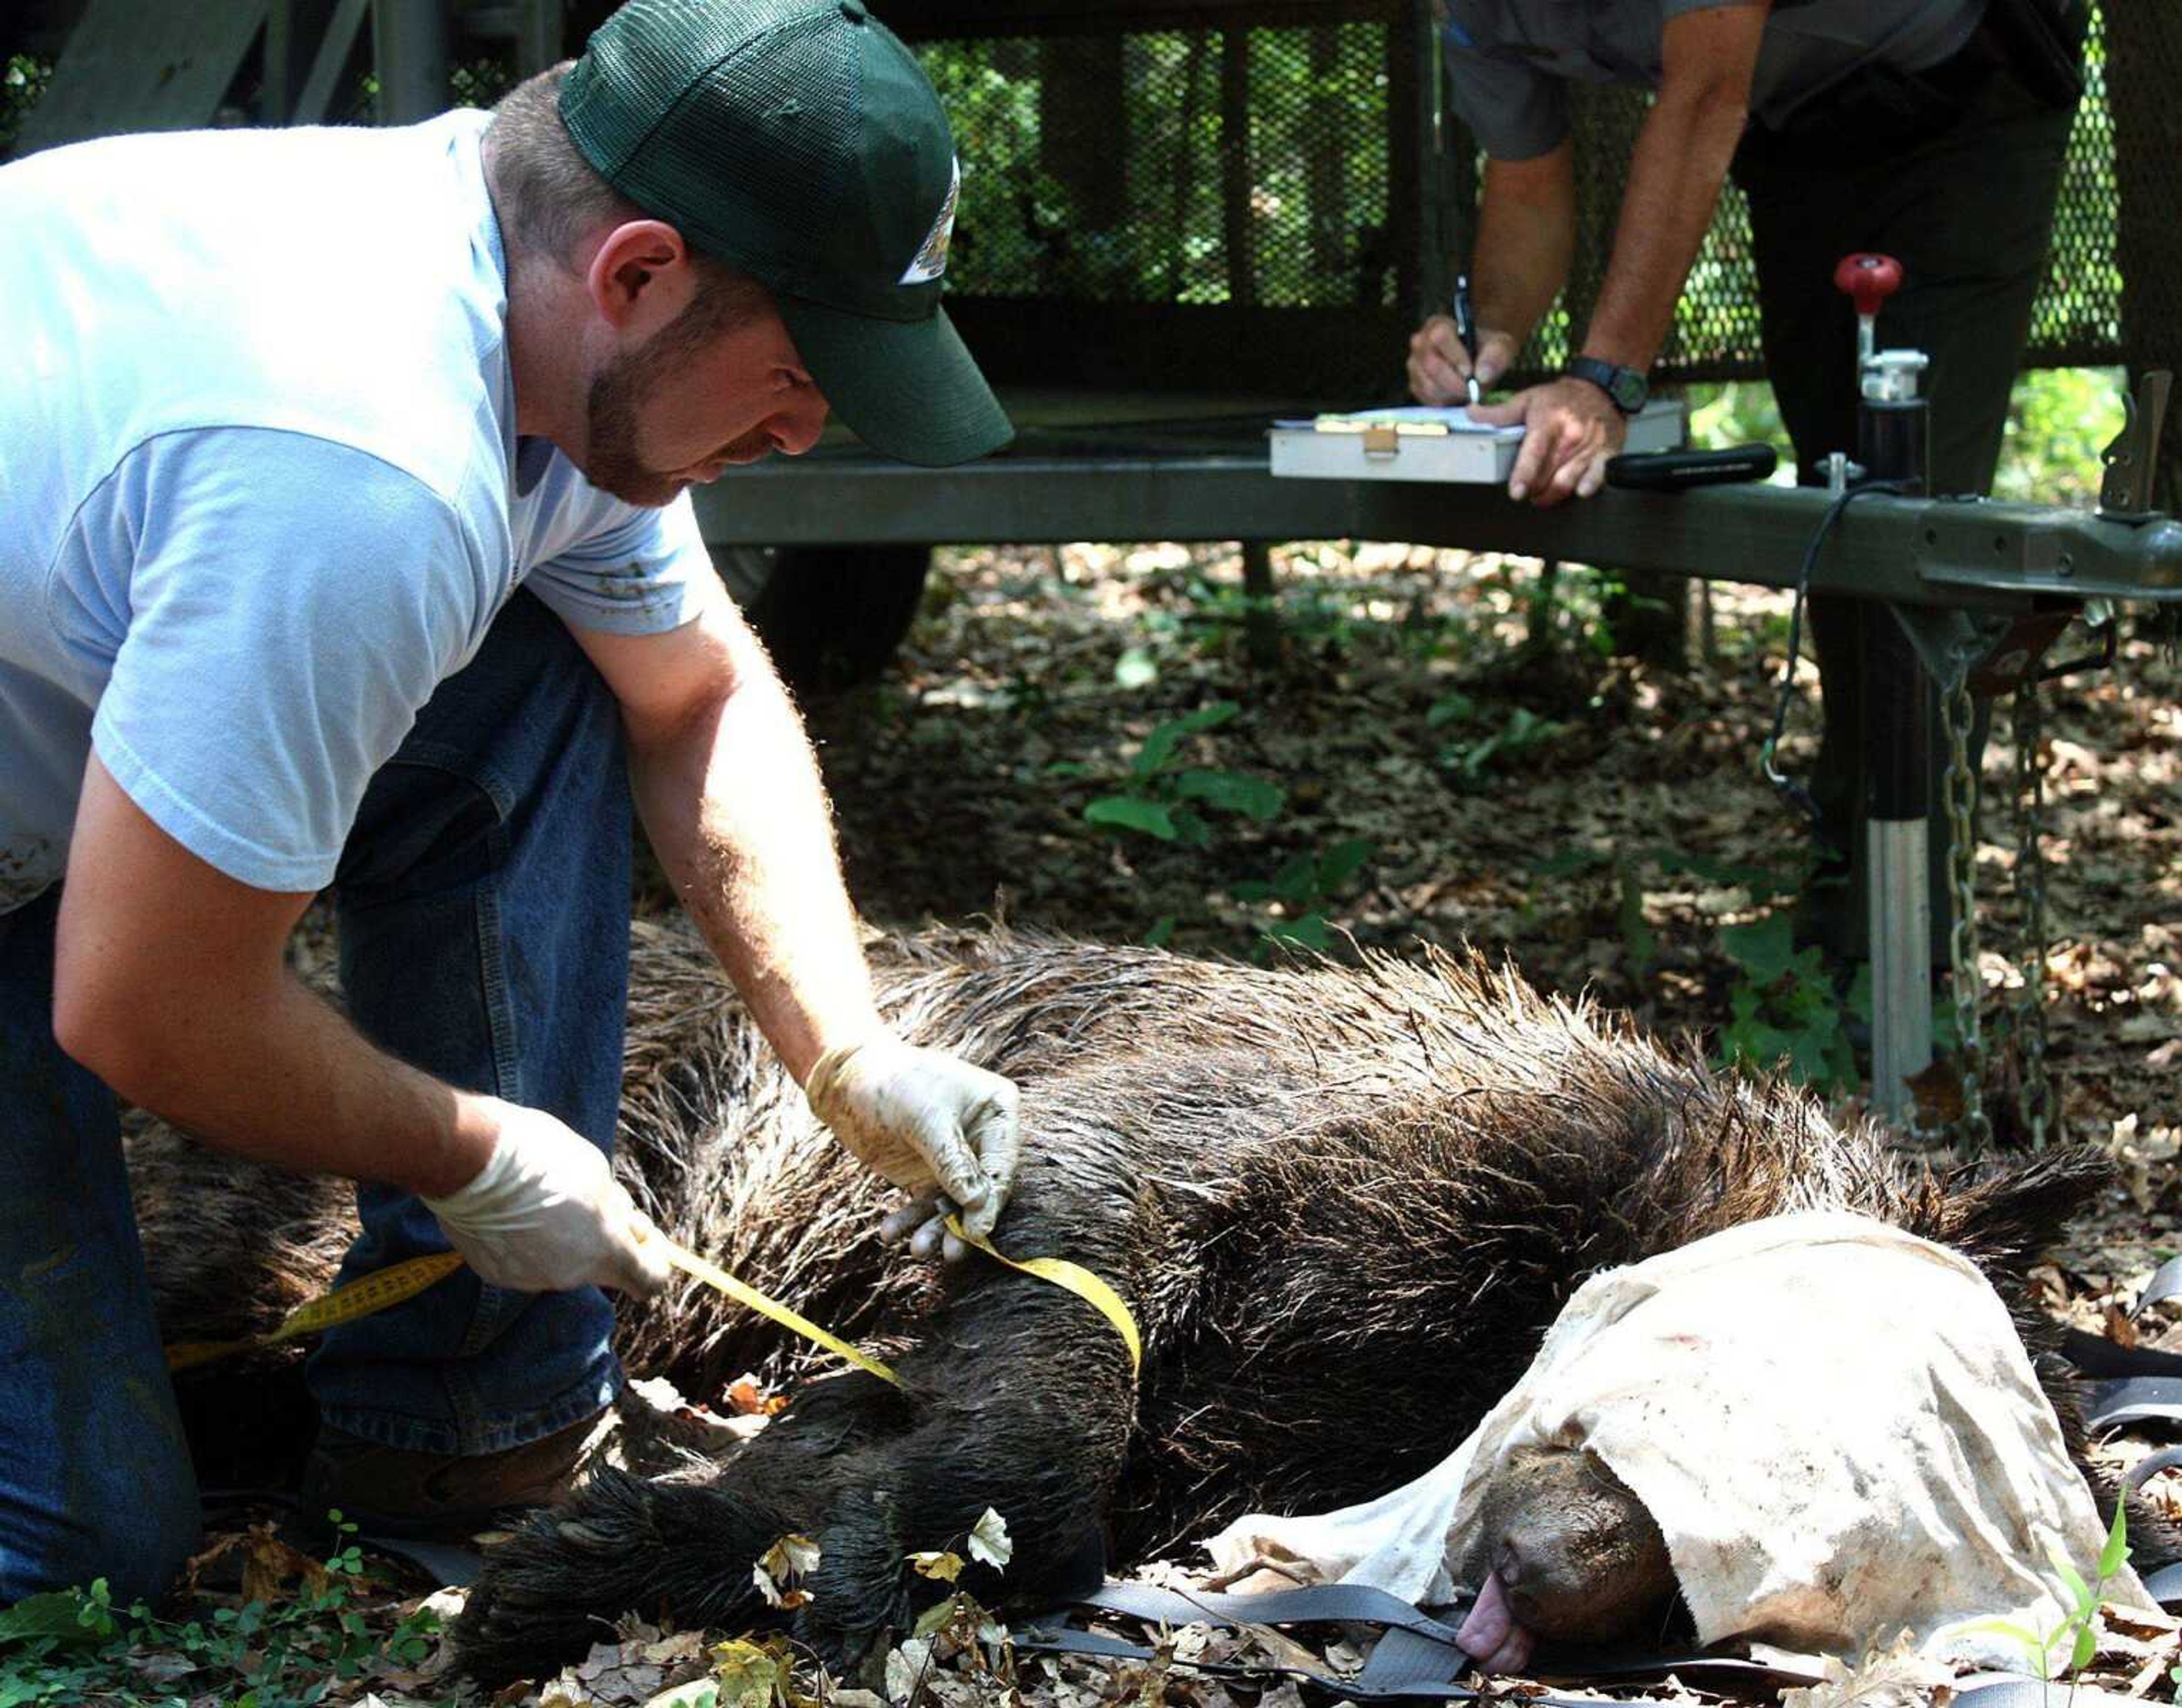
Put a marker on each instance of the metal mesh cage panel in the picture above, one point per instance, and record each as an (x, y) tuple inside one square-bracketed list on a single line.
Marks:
[(2077, 318), (1212, 197), (1196, 166), (1715, 331), (2139, 59), (1178, 193), (1239, 166)]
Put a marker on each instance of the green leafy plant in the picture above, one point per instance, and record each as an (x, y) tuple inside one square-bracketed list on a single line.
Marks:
[(2059, 420), (1469, 758), (1303, 887), (22, 82), (1639, 942), (2076, 1634), (958, 1628), (1451, 708), (1570, 607), (71, 1645), (1739, 411), (1217, 613), (1166, 798), (1209, 617), (1784, 1006)]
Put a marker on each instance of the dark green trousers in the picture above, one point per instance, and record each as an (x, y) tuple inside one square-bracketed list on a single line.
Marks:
[(1956, 178)]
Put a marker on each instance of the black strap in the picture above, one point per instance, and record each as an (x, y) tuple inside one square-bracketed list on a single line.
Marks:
[(2139, 1385), (2151, 1464), (2165, 1585), (455, 1565), (2006, 1693), (1416, 1659), (2131, 1385), (1404, 1661), (2134, 1400), (1041, 1638), (2165, 1283), (1317, 1604), (2096, 1356)]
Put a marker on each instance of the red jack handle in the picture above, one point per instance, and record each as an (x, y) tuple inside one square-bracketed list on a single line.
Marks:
[(1870, 279)]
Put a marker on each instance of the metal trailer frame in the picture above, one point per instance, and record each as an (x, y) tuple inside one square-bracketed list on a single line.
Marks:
[(1974, 555)]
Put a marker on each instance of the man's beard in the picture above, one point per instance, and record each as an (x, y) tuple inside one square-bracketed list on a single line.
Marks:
[(610, 460)]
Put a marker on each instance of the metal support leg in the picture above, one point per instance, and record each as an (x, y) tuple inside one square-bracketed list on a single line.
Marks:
[(1898, 762), (1891, 433), (1261, 621), (1538, 610)]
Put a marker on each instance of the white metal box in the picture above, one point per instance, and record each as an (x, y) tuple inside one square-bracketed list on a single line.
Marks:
[(1417, 442)]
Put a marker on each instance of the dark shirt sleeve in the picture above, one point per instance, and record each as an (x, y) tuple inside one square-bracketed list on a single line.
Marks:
[(1515, 111)]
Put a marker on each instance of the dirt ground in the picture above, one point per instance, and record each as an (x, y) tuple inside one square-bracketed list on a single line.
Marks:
[(961, 781), (1601, 823)]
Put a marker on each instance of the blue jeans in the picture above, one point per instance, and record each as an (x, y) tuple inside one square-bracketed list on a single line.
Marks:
[(484, 912)]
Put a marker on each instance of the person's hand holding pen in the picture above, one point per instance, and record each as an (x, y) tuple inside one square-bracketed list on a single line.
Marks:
[(1570, 427), (1452, 360), (1466, 333)]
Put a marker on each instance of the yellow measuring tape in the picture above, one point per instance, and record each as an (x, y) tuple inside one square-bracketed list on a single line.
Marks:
[(359, 1298), (405, 1280), (1077, 1280), (742, 1293)]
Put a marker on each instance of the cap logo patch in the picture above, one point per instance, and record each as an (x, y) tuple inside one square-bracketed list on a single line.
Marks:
[(932, 255)]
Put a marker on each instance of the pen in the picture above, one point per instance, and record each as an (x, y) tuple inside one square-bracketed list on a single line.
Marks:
[(1466, 329)]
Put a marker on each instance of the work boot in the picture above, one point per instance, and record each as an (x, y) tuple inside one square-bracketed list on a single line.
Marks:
[(394, 1491)]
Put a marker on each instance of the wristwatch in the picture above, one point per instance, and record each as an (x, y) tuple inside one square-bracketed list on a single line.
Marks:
[(1626, 388)]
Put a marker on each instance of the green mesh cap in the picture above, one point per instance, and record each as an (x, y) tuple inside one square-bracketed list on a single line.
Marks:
[(798, 140)]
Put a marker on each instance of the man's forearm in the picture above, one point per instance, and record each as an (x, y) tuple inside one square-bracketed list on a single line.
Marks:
[(168, 984), (1526, 236), (1675, 178), (273, 1073), (737, 814)]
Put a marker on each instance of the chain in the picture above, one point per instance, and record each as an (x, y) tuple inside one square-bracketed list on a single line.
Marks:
[(1958, 788), (2035, 1090)]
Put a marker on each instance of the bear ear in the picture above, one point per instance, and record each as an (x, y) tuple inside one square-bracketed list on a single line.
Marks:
[(2002, 1218)]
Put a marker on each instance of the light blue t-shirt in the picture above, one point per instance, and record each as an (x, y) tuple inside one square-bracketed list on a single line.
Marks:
[(260, 485)]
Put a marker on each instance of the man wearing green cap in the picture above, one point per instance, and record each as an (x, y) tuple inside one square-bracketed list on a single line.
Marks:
[(349, 546)]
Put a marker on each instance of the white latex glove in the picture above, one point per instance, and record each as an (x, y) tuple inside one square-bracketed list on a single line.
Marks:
[(545, 1215), (930, 1122)]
